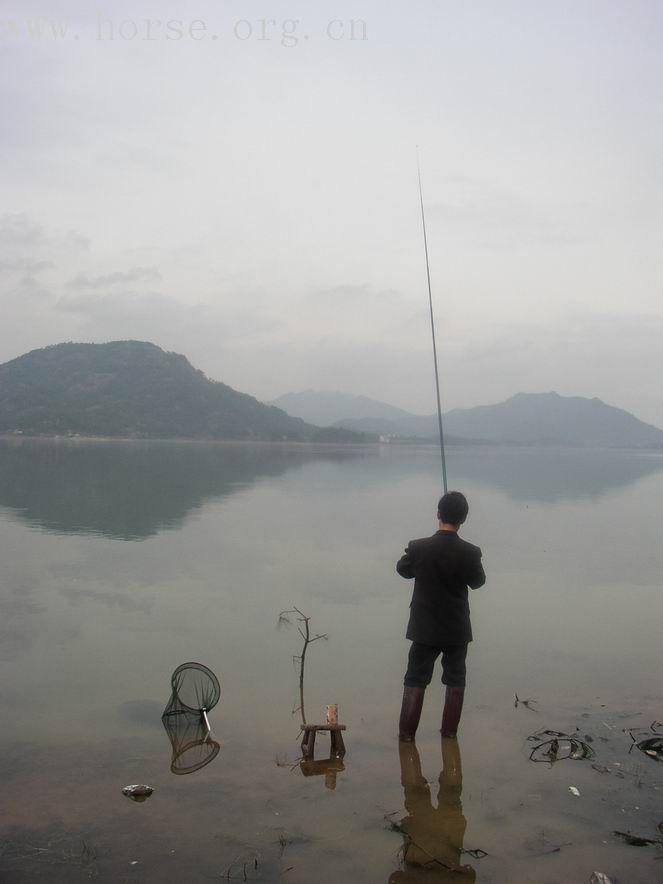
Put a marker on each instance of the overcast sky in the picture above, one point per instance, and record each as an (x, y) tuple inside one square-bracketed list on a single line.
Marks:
[(252, 203)]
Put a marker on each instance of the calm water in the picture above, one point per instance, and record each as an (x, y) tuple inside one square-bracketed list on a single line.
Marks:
[(120, 561)]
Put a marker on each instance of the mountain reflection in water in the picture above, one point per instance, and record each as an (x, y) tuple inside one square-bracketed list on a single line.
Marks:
[(131, 490), (134, 490), (549, 475)]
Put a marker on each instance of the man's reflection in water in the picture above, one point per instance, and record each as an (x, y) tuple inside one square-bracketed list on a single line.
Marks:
[(433, 835)]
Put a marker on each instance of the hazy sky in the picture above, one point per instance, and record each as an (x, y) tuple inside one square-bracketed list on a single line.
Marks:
[(252, 203)]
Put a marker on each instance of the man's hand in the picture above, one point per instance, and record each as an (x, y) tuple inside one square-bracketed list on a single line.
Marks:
[(405, 565), (476, 576)]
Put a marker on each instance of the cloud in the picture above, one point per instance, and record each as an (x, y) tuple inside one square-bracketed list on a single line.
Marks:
[(24, 265), (112, 309), (356, 293), (486, 216), (29, 287), (27, 247), (135, 274), (76, 240), (210, 335), (18, 229)]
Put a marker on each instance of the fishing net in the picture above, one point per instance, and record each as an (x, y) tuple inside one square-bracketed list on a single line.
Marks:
[(195, 690), (190, 739)]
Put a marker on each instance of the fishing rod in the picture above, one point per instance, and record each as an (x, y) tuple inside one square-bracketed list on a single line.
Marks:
[(432, 330)]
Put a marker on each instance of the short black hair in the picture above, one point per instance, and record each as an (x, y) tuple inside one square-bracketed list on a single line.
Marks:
[(453, 508)]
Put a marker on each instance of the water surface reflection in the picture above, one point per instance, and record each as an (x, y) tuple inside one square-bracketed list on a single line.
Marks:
[(433, 835), (133, 490), (92, 625), (551, 475)]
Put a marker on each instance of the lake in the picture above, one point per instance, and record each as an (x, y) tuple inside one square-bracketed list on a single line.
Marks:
[(122, 560)]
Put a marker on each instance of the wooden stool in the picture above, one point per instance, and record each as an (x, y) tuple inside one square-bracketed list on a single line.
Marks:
[(308, 740)]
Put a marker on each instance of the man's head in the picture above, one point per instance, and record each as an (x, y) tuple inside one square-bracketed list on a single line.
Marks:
[(452, 508)]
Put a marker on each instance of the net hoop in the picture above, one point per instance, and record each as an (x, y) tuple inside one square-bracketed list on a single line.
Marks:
[(213, 695)]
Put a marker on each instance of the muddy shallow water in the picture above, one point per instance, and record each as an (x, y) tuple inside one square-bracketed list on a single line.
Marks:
[(120, 561)]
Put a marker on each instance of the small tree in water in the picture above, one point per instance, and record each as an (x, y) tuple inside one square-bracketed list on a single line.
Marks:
[(300, 659)]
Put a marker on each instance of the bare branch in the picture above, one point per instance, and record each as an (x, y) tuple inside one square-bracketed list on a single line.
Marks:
[(305, 633)]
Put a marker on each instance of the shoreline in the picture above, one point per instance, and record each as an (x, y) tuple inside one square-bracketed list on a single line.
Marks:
[(472, 444)]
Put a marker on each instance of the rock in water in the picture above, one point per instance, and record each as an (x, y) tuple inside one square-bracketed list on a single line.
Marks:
[(138, 791), (599, 878)]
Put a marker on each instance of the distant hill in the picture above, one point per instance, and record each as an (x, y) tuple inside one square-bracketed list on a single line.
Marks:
[(135, 389), (524, 419), (548, 418), (325, 409)]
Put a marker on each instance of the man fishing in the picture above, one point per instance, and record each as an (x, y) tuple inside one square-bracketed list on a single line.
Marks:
[(443, 566)]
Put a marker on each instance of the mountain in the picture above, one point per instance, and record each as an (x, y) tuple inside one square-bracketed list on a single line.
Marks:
[(135, 389), (325, 409), (524, 419), (551, 419)]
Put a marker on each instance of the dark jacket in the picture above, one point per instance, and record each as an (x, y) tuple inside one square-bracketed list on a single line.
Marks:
[(443, 566)]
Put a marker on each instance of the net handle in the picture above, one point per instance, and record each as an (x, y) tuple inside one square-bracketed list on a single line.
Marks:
[(207, 725)]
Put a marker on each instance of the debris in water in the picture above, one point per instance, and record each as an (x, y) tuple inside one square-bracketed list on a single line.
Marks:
[(601, 768), (543, 847), (138, 791), (555, 746), (393, 825), (243, 864), (635, 840), (574, 791), (545, 852), (526, 703), (600, 878), (475, 853), (650, 746)]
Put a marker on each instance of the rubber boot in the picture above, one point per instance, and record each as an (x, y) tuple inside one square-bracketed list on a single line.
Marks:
[(413, 700), (453, 706)]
